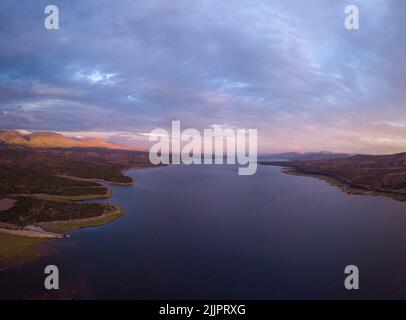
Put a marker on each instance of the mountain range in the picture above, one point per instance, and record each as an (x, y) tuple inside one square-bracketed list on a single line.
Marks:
[(54, 140)]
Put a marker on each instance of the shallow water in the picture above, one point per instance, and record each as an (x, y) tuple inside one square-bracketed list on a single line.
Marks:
[(205, 232)]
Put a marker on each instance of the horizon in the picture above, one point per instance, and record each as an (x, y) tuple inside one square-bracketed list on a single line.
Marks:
[(290, 70), (94, 135)]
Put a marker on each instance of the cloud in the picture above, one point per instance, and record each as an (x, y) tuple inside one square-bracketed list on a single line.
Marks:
[(285, 67), (95, 77)]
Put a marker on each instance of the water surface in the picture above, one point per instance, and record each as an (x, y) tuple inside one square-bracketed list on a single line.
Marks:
[(205, 232)]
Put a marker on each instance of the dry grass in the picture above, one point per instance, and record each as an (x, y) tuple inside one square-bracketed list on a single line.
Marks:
[(14, 248)]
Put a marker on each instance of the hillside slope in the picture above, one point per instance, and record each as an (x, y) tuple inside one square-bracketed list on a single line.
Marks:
[(382, 174), (54, 140)]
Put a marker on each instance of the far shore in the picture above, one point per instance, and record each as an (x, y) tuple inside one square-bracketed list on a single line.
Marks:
[(345, 187)]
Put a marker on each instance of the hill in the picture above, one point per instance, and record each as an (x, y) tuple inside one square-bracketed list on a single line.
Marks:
[(54, 140)]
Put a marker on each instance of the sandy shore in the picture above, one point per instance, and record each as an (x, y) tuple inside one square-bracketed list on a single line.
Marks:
[(26, 232), (96, 180)]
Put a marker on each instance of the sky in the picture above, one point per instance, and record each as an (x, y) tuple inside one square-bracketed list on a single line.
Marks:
[(288, 68)]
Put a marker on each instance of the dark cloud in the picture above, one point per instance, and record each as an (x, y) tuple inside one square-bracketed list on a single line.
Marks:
[(286, 67)]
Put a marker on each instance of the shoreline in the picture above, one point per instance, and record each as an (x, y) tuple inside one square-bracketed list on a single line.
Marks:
[(24, 244), (28, 242), (24, 232), (98, 180), (63, 226), (51, 197), (345, 187)]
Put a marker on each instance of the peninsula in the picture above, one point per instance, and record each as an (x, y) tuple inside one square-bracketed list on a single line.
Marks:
[(44, 178)]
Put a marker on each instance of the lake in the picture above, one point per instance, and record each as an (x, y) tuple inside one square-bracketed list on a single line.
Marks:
[(205, 232)]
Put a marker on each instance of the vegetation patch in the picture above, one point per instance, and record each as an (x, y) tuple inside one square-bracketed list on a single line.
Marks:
[(46, 182), (32, 211), (65, 226), (15, 248)]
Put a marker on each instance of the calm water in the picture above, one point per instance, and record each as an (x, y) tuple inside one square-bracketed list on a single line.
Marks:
[(205, 232)]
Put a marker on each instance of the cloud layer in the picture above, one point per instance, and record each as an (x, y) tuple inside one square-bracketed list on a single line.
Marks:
[(288, 68)]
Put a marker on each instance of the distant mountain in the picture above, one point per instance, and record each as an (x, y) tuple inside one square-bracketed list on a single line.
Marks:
[(11, 137), (296, 156), (54, 140)]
